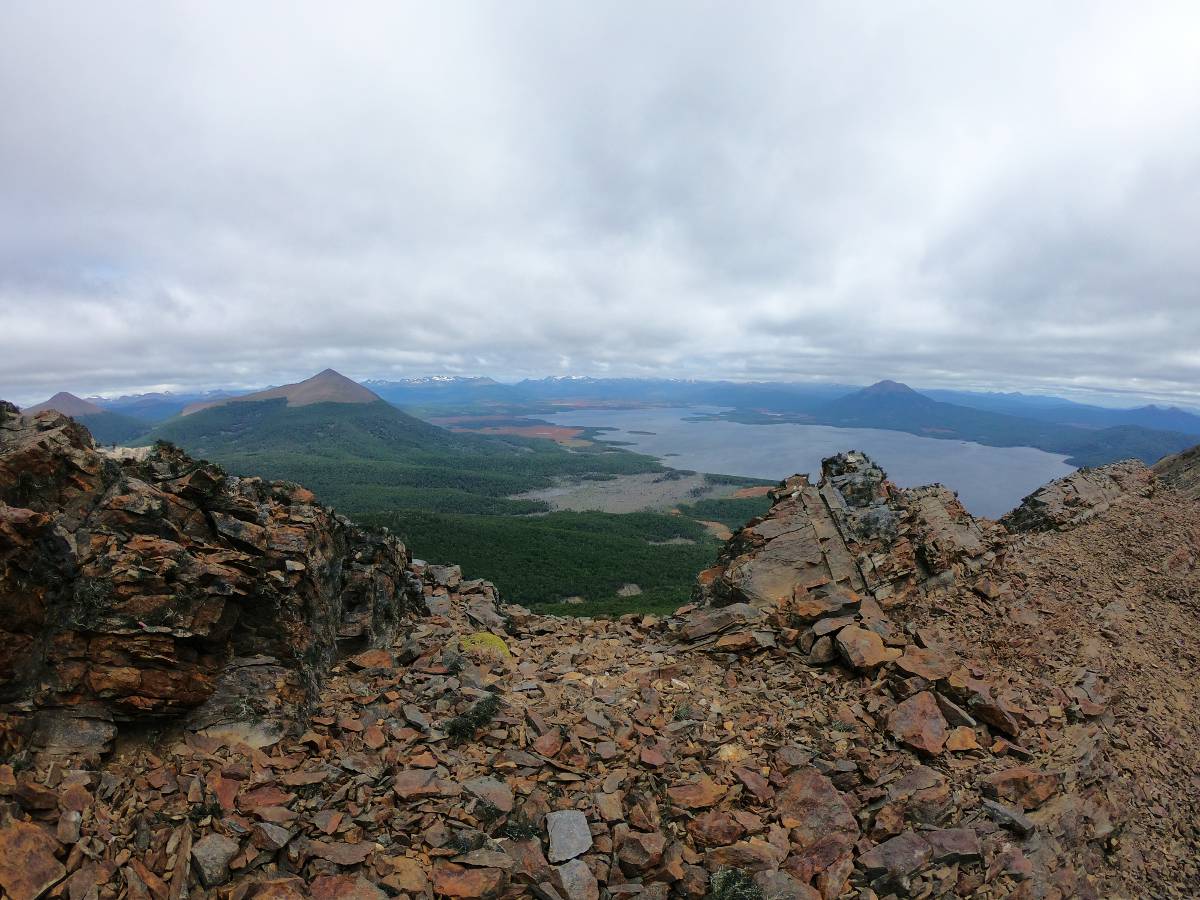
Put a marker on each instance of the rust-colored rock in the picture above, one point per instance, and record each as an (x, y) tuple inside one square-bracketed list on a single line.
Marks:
[(919, 723), (813, 808), (450, 880), (700, 794), (1025, 787), (344, 887), (28, 866), (127, 585), (863, 649)]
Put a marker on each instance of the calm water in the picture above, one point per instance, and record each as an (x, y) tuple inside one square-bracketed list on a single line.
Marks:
[(989, 480)]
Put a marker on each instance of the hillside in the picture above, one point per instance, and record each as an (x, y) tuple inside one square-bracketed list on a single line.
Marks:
[(1182, 472), (227, 691)]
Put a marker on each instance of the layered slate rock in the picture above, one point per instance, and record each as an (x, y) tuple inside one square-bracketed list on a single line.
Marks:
[(160, 587), (853, 533)]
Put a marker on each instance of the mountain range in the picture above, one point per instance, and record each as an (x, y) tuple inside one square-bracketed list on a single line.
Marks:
[(895, 406), (1084, 434)]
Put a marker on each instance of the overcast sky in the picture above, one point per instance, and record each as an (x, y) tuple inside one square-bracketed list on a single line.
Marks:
[(999, 195)]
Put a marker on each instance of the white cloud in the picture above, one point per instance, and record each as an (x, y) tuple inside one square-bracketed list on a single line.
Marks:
[(948, 193)]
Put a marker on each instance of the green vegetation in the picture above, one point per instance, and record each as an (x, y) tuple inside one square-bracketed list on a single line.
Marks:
[(538, 561), (462, 728), (372, 458), (732, 512), (449, 498), (733, 884)]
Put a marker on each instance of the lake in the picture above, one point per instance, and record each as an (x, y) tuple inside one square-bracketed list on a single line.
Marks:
[(989, 480)]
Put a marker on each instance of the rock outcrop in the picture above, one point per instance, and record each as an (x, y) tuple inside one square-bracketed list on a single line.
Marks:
[(853, 533), (1077, 497), (161, 588)]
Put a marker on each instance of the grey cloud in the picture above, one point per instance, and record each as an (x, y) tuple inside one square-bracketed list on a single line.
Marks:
[(214, 194)]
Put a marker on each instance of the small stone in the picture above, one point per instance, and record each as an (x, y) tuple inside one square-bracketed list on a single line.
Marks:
[(549, 743), (344, 887), (609, 807), (962, 739), (576, 881), (569, 834), (414, 783), (266, 836), (715, 829), (492, 791), (755, 784), (641, 850), (451, 880), (485, 859), (372, 659), (528, 859), (810, 607), (652, 756), (344, 854), (1007, 817), (895, 858), (782, 886), (823, 651), (813, 808), (751, 856), (407, 875), (953, 845), (281, 889), (863, 649), (932, 665), (1022, 786), (702, 793), (212, 854), (918, 722)]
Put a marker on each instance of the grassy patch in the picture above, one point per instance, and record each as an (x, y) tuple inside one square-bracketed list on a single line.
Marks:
[(538, 560), (732, 512)]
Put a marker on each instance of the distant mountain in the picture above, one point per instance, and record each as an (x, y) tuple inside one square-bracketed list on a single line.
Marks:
[(1067, 412), (324, 387), (67, 404), (326, 415), (106, 427), (891, 405), (439, 380)]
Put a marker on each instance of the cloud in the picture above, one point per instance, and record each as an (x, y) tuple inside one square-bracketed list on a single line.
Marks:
[(210, 194)]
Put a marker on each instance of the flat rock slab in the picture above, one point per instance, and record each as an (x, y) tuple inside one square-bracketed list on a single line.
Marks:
[(569, 834), (492, 791)]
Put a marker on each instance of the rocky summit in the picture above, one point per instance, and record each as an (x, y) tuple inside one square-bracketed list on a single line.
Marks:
[(213, 686)]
